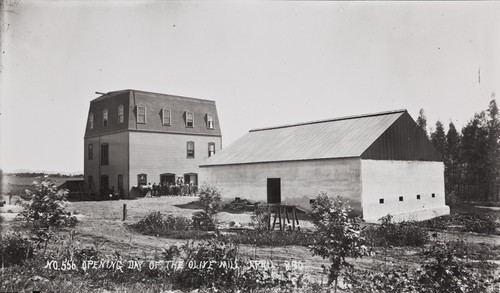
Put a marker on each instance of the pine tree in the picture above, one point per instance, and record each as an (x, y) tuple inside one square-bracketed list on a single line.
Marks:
[(493, 150), (422, 121), (452, 161), (438, 138), (475, 155)]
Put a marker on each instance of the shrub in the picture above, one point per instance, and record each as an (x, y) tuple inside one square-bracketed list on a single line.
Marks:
[(261, 216), (209, 275), (210, 199), (447, 273), (479, 223), (156, 223), (442, 271), (211, 203), (401, 234), (203, 221), (338, 233), (14, 249), (47, 207), (272, 238)]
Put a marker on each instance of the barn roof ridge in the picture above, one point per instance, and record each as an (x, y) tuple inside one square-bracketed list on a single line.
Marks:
[(330, 120)]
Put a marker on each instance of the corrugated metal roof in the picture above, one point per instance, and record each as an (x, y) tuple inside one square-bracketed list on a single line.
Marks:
[(334, 138)]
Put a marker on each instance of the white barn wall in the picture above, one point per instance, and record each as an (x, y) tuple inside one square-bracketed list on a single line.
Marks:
[(391, 179), (300, 180)]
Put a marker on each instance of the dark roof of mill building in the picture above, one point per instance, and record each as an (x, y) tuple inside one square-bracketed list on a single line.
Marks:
[(153, 103), (391, 135)]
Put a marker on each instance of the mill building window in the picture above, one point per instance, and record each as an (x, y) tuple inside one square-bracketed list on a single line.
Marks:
[(142, 179), (104, 154), (141, 114), (120, 114), (90, 154), (190, 149), (210, 121), (91, 120), (211, 149), (189, 119), (105, 117), (166, 116)]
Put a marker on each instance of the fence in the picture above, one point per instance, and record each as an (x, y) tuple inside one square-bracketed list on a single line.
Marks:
[(475, 192)]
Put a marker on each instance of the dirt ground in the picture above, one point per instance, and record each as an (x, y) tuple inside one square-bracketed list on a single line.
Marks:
[(100, 225)]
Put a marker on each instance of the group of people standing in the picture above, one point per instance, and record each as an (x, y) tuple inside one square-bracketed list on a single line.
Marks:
[(169, 189)]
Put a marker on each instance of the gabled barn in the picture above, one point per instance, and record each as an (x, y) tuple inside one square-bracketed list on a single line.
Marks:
[(383, 163)]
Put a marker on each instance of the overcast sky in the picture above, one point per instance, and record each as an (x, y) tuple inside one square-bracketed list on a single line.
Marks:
[(264, 63)]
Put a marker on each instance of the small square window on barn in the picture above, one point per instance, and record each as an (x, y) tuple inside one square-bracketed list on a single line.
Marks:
[(418, 196), (433, 195), (381, 201), (400, 198)]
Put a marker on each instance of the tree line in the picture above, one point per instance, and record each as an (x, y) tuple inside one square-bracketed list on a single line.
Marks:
[(471, 156)]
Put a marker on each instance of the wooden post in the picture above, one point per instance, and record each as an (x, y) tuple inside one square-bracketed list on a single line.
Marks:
[(124, 211)]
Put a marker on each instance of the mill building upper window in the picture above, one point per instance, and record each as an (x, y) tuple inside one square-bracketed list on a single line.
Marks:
[(91, 120), (210, 121), (120, 114), (190, 149), (90, 154), (211, 149), (189, 119), (166, 116), (105, 117), (141, 114), (104, 154)]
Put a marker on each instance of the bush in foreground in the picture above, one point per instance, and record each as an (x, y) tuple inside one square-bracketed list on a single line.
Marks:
[(443, 271), (157, 223), (14, 249), (484, 223), (338, 234), (396, 234)]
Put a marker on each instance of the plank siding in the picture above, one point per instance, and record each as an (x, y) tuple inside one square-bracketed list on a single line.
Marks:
[(118, 162), (403, 141), (157, 153)]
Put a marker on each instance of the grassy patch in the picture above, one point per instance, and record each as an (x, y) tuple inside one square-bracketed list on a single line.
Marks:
[(465, 221)]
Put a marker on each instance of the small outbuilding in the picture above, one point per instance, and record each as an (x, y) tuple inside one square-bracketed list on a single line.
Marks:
[(383, 163)]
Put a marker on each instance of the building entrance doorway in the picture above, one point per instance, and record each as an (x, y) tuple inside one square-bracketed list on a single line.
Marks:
[(191, 178), (104, 188), (273, 190), (167, 179)]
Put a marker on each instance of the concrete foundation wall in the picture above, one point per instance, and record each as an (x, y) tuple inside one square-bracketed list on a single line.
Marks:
[(300, 180), (158, 153), (389, 180)]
